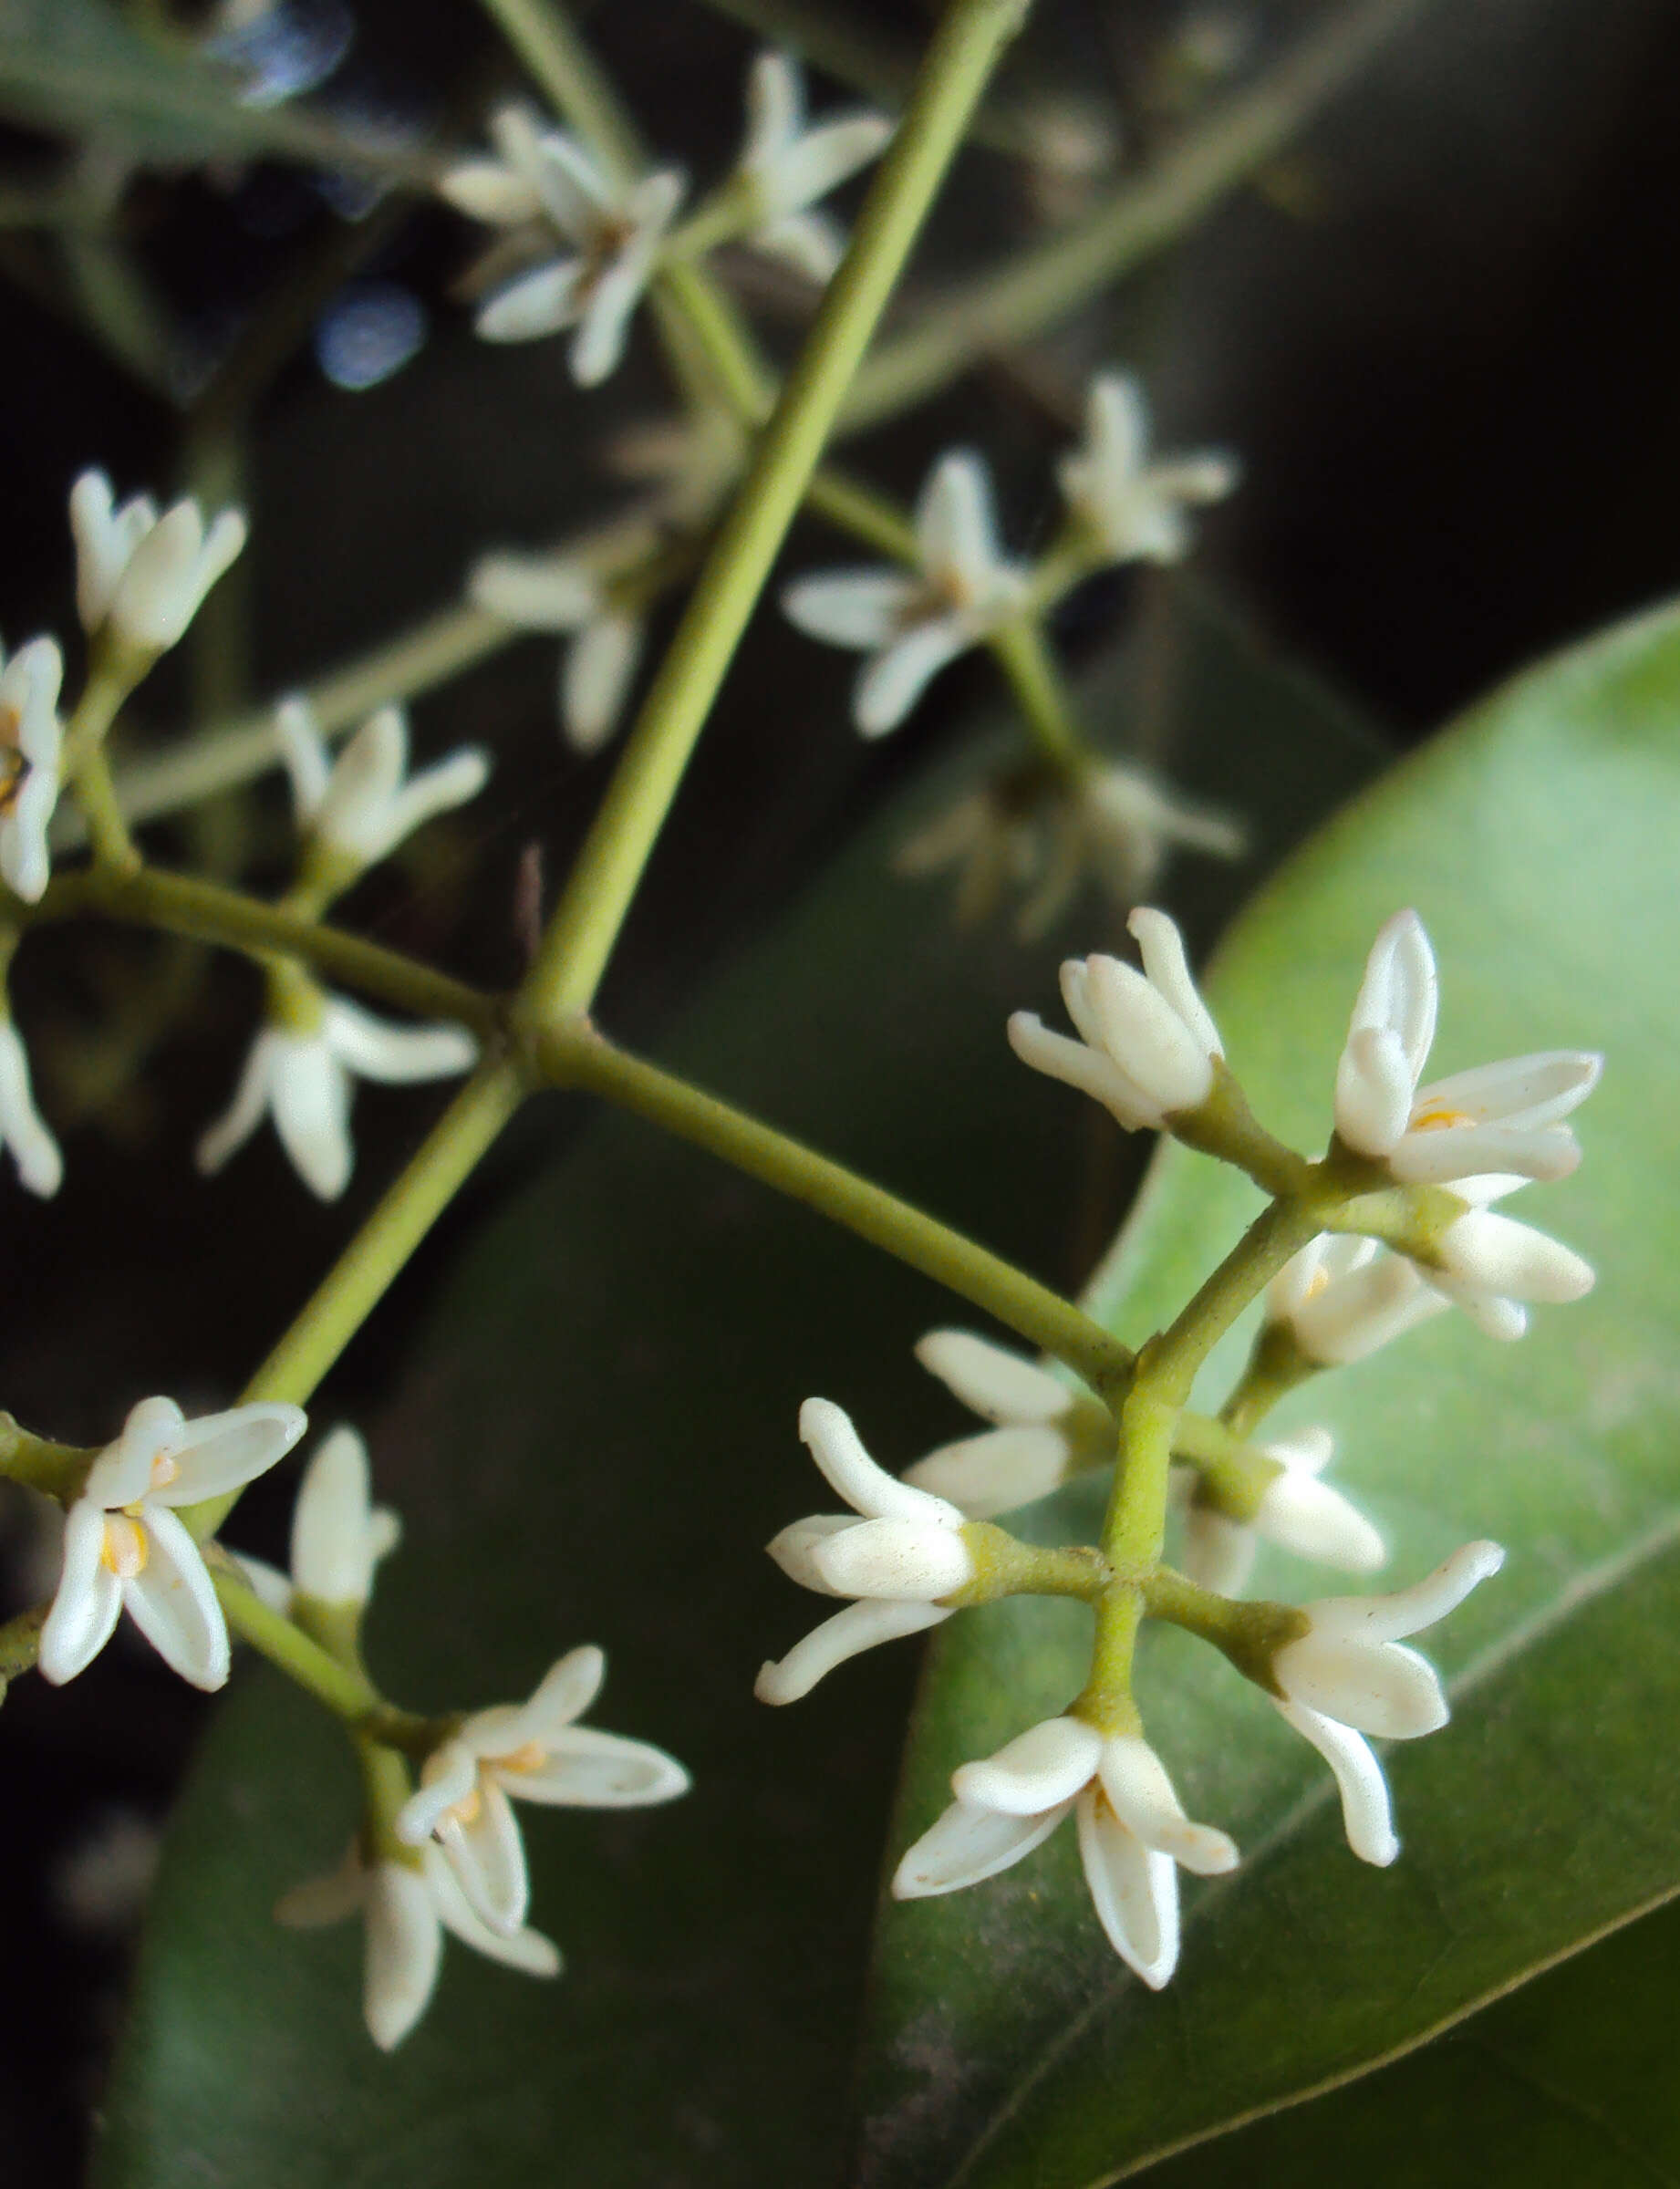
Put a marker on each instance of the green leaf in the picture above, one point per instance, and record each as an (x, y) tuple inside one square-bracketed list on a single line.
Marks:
[(1010, 2047), (596, 1439), (75, 67)]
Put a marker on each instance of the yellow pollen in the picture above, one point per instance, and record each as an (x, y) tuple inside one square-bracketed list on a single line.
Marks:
[(530, 1758), (14, 767), (1435, 1120), (164, 1470), (125, 1548), (1316, 1283), (468, 1806)]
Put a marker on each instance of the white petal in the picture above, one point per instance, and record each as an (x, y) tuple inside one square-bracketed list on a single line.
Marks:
[(122, 1475), (995, 1471), (849, 1471), (375, 1049), (603, 330), (333, 1537), (1218, 1552), (88, 1601), (267, 1583), (895, 1558), (1439, 1156), (1374, 1090), (1366, 1815), (575, 193), (863, 609), (364, 782), (307, 761), (588, 1770), (1046, 1763), (537, 304), (249, 1105), (1078, 1066), (775, 107), (793, 1548), (527, 1949), (1494, 1316), (991, 1380), (1141, 1794), (1384, 1690), (309, 1092), (1134, 1892), (955, 530), (813, 244), (39, 1164), (1146, 1038), (890, 685), (1401, 1612), (448, 1778), (538, 592), (1538, 1090), (219, 1452), (825, 156), (1357, 1314), (858, 1627), (1400, 990), (486, 190), (451, 781), (172, 1600), (1168, 971), (99, 556), (968, 1844), (404, 1948), (598, 669), (564, 1692), (1312, 1519), (487, 1854), (1497, 1254)]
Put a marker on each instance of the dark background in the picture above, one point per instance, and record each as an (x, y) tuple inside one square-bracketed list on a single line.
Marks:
[(1439, 334)]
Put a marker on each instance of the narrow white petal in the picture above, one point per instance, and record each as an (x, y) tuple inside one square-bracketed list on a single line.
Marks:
[(375, 1049), (267, 1583), (449, 1777), (598, 347), (39, 1164), (863, 609), (1046, 1763), (1366, 1814), (1383, 1689), (98, 555), (825, 156), (307, 761), (968, 1844), (775, 108), (895, 1558), (992, 1381), (333, 1549), (795, 1547), (219, 1452), (575, 194), (1357, 1314), (1303, 1451), (1439, 1156), (995, 1471), (537, 304), (598, 669), (1167, 969), (484, 190), (1079, 1066), (852, 1475), (172, 1600), (122, 1475), (1495, 1316), (309, 1091), (955, 529), (1536, 1090), (1316, 1521), (1399, 991), (1134, 1892), (890, 685), (564, 1692), (527, 1950), (88, 1601), (589, 1770), (404, 1948), (538, 592), (1142, 1796), (248, 1108), (487, 1854), (363, 783), (813, 244), (1497, 1254), (156, 593), (1401, 1612), (1147, 1037), (1218, 1552), (1374, 1090), (458, 776), (858, 1627)]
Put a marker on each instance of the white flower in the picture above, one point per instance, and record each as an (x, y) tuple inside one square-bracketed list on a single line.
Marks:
[(1296, 1510), (557, 593), (405, 1908), (617, 230), (1497, 1118), (1342, 1298), (22, 1130), (31, 746), (1135, 509), (788, 166), (142, 573), (1147, 1045), (358, 805), (1491, 1264), (535, 1752), (339, 1534), (1030, 1450), (305, 1078), (1132, 1832), (903, 1554), (1348, 1675), (124, 1545), (912, 623)]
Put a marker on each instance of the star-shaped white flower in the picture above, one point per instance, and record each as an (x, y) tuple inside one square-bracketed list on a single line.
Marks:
[(406, 1907), (1505, 1116), (617, 230), (124, 1545), (22, 1128), (339, 1534), (532, 1751), (142, 574), (1296, 1510), (31, 748), (900, 1549), (1135, 510), (912, 623), (1133, 1832), (304, 1078), (557, 593), (1030, 1449), (358, 807), (788, 166), (1349, 1676), (1147, 1045)]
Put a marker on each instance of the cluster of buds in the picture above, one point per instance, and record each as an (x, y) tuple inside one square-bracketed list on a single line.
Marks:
[(1402, 1194)]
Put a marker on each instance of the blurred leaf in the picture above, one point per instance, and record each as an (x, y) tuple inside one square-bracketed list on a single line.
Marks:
[(75, 68), (596, 1438), (1011, 2046)]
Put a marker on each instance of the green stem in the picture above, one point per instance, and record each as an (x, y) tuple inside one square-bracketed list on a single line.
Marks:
[(58, 1470), (1050, 280), (1035, 675), (573, 1054), (580, 938), (342, 1688), (114, 848), (369, 1264)]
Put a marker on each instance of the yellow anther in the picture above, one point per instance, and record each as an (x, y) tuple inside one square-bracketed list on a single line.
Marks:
[(529, 1757), (467, 1808), (1316, 1283), (164, 1470), (125, 1548), (1435, 1120)]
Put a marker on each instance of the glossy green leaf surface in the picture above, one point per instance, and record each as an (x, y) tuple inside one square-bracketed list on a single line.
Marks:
[(596, 1439), (1009, 2046)]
